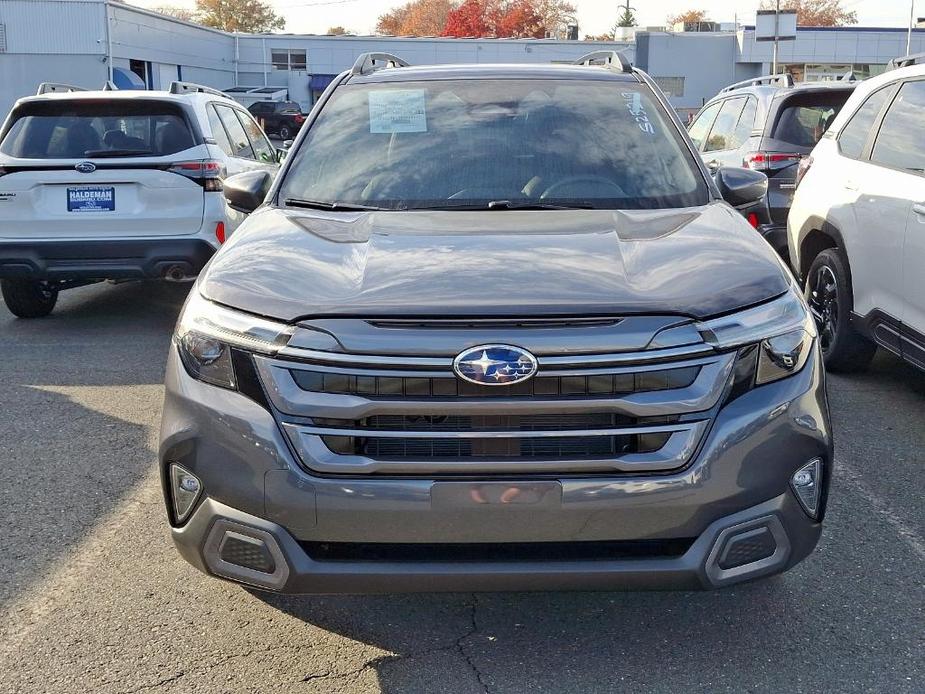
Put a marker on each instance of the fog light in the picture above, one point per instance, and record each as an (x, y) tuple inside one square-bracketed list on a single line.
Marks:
[(186, 490), (807, 486)]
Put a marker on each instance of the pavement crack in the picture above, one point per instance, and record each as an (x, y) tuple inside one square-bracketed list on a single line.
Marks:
[(160, 683), (461, 647)]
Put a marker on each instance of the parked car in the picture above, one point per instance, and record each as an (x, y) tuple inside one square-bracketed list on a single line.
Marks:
[(768, 124), (98, 185), (280, 118), (471, 340), (857, 225)]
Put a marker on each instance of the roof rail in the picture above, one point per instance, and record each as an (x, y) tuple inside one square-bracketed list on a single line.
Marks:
[(609, 59), (367, 63), (781, 81), (906, 61), (192, 88), (48, 87)]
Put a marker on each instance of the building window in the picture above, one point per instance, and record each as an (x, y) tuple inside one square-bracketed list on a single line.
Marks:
[(672, 86), (2, 38), (288, 59), (280, 59)]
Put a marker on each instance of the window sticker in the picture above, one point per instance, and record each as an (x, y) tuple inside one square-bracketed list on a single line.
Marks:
[(638, 112), (397, 111)]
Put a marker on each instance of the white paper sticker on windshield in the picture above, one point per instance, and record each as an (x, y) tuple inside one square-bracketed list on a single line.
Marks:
[(397, 111)]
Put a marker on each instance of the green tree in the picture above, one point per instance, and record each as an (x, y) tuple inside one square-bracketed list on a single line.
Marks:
[(627, 16), (246, 16)]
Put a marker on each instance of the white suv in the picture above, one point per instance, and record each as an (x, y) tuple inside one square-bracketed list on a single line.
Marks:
[(114, 185), (856, 229)]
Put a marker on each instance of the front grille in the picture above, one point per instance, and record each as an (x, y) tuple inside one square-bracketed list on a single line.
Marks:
[(596, 385), (598, 413), (608, 550)]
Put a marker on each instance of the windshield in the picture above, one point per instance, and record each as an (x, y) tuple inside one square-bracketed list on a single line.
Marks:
[(78, 129), (498, 144)]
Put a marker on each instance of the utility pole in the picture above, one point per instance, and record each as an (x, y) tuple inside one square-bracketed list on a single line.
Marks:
[(776, 36), (909, 32)]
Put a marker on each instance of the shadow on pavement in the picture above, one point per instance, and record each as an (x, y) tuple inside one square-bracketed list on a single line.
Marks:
[(587, 641), (81, 399)]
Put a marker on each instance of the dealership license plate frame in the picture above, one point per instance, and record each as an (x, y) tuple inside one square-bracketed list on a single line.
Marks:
[(102, 200)]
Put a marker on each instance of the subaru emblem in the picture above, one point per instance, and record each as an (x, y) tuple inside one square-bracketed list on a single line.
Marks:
[(495, 365), (86, 167)]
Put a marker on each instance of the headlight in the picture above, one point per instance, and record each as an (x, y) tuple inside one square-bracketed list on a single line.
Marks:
[(207, 332), (783, 330)]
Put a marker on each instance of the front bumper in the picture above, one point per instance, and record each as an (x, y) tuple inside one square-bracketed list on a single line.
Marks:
[(737, 485), (77, 259)]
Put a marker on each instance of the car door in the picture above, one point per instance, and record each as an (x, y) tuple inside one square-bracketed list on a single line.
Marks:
[(720, 147), (899, 150), (863, 203)]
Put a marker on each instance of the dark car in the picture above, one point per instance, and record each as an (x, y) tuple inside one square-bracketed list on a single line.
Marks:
[(280, 118), (495, 327), (768, 124)]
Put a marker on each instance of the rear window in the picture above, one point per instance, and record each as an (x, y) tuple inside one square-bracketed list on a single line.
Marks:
[(803, 118), (96, 129)]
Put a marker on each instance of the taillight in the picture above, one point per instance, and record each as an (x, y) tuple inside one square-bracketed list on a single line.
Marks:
[(220, 232), (770, 161), (206, 172), (803, 167), (298, 118), (752, 219)]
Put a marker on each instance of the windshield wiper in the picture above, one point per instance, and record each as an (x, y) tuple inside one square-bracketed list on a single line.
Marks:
[(509, 205), (526, 205), (320, 205), (103, 153)]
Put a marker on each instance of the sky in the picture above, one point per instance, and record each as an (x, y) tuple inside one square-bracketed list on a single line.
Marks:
[(594, 16)]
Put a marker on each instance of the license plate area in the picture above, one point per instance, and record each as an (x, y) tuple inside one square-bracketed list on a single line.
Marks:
[(91, 199)]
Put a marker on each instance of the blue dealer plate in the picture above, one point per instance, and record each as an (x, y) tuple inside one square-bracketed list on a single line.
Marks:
[(87, 199)]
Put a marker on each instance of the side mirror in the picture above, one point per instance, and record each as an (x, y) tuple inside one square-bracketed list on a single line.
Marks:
[(246, 191), (741, 187)]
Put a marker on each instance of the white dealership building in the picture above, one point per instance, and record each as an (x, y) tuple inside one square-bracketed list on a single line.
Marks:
[(86, 42)]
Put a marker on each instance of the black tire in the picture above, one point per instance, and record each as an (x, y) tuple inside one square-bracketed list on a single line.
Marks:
[(29, 298), (830, 298), (285, 133)]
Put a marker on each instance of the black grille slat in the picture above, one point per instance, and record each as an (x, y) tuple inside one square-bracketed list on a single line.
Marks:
[(450, 387), (553, 447), (587, 550)]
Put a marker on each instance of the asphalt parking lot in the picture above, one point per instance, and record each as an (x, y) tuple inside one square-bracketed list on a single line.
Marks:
[(94, 597)]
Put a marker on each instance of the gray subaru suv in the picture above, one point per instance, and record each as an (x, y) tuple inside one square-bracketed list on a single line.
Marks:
[(494, 327)]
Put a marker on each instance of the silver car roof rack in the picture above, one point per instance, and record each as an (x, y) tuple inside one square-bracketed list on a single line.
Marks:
[(367, 63), (906, 61), (50, 87), (781, 81), (614, 60), (192, 88)]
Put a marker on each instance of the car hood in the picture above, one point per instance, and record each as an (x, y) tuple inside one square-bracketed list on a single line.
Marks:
[(696, 262)]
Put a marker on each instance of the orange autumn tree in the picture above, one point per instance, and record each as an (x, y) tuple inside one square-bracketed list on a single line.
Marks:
[(516, 18), (416, 18)]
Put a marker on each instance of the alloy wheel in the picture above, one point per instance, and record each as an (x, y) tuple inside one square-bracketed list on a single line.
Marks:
[(823, 304)]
